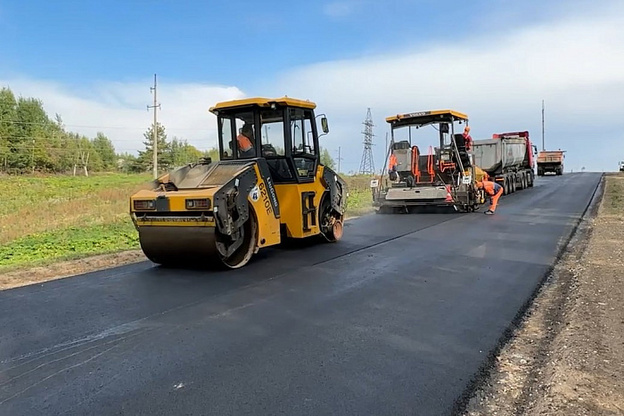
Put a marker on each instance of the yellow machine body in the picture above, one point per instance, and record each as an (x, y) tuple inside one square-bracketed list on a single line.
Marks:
[(222, 212)]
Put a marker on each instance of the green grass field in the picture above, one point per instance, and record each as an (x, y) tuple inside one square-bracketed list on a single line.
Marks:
[(614, 194), (53, 218)]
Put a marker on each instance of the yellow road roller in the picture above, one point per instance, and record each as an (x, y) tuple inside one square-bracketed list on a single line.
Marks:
[(268, 186)]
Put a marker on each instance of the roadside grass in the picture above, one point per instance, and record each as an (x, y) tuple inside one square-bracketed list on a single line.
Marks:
[(613, 203), (47, 219), (52, 218), (68, 244), (360, 198)]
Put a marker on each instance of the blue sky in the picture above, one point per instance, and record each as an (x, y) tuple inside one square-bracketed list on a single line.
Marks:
[(222, 42), (92, 62)]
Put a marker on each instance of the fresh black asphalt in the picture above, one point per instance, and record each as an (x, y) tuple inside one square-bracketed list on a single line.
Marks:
[(395, 319)]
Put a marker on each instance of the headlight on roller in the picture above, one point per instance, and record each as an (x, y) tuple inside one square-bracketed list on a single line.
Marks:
[(145, 204), (203, 203)]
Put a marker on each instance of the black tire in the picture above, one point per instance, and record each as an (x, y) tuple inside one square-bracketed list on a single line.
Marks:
[(409, 181), (245, 252), (331, 223)]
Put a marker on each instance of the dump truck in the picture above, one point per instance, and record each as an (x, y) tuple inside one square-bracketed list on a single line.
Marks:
[(267, 187), (442, 176), (550, 161), (508, 159)]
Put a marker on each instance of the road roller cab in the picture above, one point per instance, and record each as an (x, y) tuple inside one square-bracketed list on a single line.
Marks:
[(268, 185)]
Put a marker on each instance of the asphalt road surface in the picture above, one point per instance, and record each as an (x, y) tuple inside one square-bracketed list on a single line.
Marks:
[(397, 318)]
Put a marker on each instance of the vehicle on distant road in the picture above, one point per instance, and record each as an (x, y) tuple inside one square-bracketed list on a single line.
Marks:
[(550, 161)]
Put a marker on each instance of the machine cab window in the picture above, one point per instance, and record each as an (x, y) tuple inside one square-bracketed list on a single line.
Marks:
[(285, 136), (304, 152), (238, 136), (274, 145)]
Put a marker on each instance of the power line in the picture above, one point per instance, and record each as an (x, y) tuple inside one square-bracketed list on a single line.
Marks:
[(51, 123)]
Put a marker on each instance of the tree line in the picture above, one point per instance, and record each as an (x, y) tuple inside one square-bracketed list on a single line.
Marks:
[(31, 141)]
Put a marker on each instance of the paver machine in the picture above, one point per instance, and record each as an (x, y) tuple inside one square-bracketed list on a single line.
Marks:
[(267, 186), (441, 175)]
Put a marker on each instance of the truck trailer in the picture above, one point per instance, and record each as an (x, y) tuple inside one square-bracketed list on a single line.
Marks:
[(508, 159), (550, 161)]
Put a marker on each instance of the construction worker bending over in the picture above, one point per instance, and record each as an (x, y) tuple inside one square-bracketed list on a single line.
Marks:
[(494, 190)]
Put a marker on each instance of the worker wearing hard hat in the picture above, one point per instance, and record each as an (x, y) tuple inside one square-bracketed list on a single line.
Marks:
[(494, 190)]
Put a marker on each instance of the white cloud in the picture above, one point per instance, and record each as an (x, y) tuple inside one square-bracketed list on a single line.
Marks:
[(120, 109), (338, 8), (498, 79), (574, 64)]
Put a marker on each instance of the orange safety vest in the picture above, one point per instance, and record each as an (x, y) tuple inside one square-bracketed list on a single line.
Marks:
[(467, 140), (244, 144), (393, 162), (491, 187)]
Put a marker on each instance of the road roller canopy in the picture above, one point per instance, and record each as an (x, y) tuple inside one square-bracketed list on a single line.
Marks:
[(262, 102), (282, 130), (422, 118)]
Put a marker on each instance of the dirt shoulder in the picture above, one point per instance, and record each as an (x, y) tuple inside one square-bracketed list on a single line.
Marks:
[(567, 355)]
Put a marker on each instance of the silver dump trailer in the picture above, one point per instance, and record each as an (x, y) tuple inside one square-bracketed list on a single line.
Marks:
[(508, 158)]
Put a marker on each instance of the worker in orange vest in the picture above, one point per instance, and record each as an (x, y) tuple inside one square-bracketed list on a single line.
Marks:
[(392, 167), (467, 138), (494, 190), (244, 140)]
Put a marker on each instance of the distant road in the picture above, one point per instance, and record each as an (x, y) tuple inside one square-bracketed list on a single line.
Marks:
[(395, 319)]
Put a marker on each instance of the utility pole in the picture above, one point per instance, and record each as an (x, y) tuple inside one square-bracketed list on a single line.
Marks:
[(339, 159), (154, 131), (543, 146), (32, 156)]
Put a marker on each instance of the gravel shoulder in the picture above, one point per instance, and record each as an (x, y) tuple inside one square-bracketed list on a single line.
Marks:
[(566, 357)]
